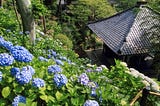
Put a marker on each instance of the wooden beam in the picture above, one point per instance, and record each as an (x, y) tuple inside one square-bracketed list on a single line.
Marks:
[(154, 93), (136, 97)]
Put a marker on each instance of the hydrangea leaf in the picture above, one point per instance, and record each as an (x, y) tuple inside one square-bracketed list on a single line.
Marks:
[(51, 98), (21, 104), (34, 104), (3, 102), (49, 88), (5, 91), (9, 79), (44, 97), (71, 91), (42, 92), (18, 89), (75, 101), (59, 96), (30, 102)]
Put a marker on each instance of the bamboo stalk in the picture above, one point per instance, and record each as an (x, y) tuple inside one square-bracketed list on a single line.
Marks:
[(139, 94), (136, 97), (154, 93)]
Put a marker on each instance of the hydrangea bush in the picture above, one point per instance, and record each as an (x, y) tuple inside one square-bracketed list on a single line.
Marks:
[(56, 76)]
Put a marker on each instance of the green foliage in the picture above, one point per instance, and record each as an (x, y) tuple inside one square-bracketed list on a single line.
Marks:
[(66, 42), (54, 28), (72, 90), (5, 91), (95, 9), (8, 19), (78, 15), (124, 4), (153, 100), (154, 4), (38, 8), (115, 87)]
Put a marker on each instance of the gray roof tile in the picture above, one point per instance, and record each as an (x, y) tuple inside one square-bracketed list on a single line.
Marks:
[(124, 32)]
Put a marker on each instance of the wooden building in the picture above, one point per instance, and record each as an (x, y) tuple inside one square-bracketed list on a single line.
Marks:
[(125, 35)]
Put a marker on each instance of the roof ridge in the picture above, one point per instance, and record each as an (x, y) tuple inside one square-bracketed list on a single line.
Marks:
[(92, 22), (155, 11), (124, 40)]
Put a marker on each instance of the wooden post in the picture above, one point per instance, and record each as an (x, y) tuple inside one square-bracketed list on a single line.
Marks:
[(145, 94), (135, 98)]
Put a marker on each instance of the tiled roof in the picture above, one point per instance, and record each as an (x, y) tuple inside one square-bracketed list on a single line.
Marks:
[(124, 32)]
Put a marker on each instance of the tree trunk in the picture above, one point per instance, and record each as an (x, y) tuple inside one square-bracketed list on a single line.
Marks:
[(24, 8), (1, 3)]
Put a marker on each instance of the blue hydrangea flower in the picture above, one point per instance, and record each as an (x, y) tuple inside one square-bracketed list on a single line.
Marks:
[(99, 69), (83, 79), (6, 44), (37, 82), (49, 56), (29, 68), (59, 62), (21, 54), (60, 80), (21, 33), (23, 77), (54, 69), (91, 103), (27, 32), (1, 76), (89, 70), (63, 58), (1, 38), (93, 93), (100, 98), (6, 59), (92, 84), (52, 52), (8, 30), (14, 71), (69, 61), (42, 58), (18, 99)]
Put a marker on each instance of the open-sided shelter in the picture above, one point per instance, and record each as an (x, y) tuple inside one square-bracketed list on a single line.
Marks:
[(129, 34)]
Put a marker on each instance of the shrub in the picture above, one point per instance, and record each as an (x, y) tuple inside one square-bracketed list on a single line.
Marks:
[(63, 78), (66, 42)]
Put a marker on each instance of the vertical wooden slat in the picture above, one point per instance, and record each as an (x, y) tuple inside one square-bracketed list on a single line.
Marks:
[(145, 94)]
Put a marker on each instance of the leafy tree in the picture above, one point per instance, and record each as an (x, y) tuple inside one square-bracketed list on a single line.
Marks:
[(154, 4), (124, 4), (77, 15)]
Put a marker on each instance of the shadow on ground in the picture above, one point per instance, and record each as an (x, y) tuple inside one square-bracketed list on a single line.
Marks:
[(97, 57)]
